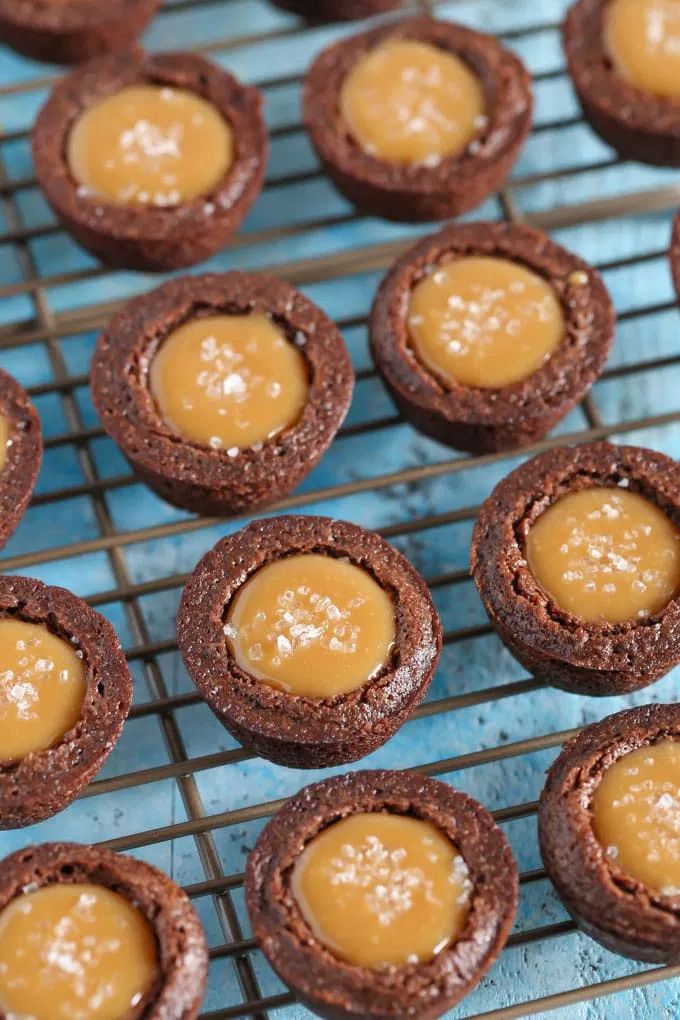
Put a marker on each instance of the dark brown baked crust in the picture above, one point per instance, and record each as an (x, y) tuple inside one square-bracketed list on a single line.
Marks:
[(555, 646), (292, 730), (619, 911), (337, 10), (145, 237), (411, 193), (189, 474), (637, 124), (182, 951), (45, 782), (675, 254), (20, 471), (328, 985), (69, 33), (485, 420)]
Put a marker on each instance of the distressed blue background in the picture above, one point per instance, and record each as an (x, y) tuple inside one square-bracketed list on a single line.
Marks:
[(299, 218)]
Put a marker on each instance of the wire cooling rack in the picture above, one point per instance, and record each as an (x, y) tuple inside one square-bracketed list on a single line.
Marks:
[(177, 791)]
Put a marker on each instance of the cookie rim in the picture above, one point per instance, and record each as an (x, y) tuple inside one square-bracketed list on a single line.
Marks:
[(151, 237), (475, 415), (163, 903), (321, 979), (24, 457), (293, 729), (45, 782), (605, 901), (597, 658), (199, 477), (417, 189)]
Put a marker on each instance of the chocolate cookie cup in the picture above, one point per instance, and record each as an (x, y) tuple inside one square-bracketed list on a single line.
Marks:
[(44, 782), (22, 454), (419, 192), (564, 650), (619, 911), (69, 33), (323, 981), (639, 125), (186, 473), (182, 952), (485, 420), (305, 732), (152, 238), (337, 10), (674, 254)]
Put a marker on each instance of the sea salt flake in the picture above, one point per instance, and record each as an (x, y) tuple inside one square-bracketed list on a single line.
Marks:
[(283, 645)]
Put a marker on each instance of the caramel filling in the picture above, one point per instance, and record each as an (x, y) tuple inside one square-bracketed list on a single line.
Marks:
[(383, 890), (42, 686), (485, 322), (74, 952), (150, 145), (606, 555), (311, 625), (643, 41), (4, 440), (636, 815), (229, 381), (408, 102)]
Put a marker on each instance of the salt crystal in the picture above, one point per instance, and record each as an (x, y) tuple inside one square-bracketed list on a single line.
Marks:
[(665, 802), (283, 645)]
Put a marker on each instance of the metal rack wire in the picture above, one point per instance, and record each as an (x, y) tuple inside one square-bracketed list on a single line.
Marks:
[(50, 328)]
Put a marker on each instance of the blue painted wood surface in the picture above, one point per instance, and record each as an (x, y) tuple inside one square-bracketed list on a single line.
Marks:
[(579, 168)]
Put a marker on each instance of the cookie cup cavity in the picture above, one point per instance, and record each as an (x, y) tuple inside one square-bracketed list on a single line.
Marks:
[(182, 952), (555, 646), (637, 124), (292, 730), (411, 193), (23, 456), (142, 237), (486, 420), (617, 910), (339, 990), (44, 782), (69, 33), (189, 474)]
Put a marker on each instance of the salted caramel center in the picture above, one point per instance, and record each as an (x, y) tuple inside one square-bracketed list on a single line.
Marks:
[(606, 554), (381, 889), (485, 322), (150, 145), (4, 440), (643, 41), (408, 102), (311, 625), (229, 381), (636, 815), (74, 952), (42, 686)]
